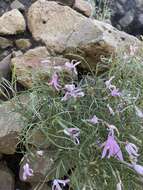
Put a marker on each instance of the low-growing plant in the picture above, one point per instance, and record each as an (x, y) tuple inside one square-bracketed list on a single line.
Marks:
[(94, 125)]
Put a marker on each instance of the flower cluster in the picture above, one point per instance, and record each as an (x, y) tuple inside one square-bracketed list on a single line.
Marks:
[(104, 131)]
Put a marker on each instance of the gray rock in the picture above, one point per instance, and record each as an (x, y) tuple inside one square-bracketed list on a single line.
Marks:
[(5, 66), (17, 5), (6, 178), (5, 43), (37, 65), (11, 125), (127, 16)]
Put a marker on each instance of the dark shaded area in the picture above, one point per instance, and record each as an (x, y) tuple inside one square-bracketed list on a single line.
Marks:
[(120, 9), (13, 162)]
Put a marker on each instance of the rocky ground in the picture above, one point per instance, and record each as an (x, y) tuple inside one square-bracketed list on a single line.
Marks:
[(30, 33)]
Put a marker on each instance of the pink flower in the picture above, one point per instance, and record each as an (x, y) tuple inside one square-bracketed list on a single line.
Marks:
[(73, 133), (72, 66), (57, 182), (112, 148), (93, 120), (27, 171), (115, 92), (138, 169), (132, 150), (55, 82), (72, 91)]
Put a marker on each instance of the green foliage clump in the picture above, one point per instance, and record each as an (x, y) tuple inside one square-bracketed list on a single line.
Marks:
[(82, 163)]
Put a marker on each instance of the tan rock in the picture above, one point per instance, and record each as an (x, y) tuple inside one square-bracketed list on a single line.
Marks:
[(12, 22), (52, 23), (37, 65), (6, 178), (83, 7), (23, 43), (11, 125), (63, 30)]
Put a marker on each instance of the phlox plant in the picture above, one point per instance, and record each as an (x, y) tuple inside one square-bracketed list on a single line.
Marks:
[(95, 126)]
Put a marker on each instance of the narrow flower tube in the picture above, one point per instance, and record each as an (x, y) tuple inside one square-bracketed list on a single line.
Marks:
[(93, 120), (132, 150), (138, 168), (72, 91), (55, 81), (72, 66)]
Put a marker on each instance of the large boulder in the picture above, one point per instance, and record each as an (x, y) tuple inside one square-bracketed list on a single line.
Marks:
[(128, 16), (11, 125), (37, 65), (12, 22), (77, 35)]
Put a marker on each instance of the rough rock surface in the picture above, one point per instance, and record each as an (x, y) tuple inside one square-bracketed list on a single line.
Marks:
[(17, 5), (23, 43), (128, 16), (12, 22), (41, 166), (11, 126), (83, 7), (90, 38), (5, 66), (5, 43), (6, 178), (36, 64)]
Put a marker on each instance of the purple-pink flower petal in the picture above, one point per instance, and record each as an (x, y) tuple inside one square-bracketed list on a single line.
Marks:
[(55, 81), (111, 148)]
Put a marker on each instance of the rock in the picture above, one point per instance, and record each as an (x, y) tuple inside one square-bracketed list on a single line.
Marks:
[(6, 178), (65, 2), (5, 43), (12, 22), (127, 16), (23, 43), (11, 125), (5, 66), (77, 35), (37, 65), (17, 5), (17, 53), (41, 166), (83, 7), (45, 21)]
